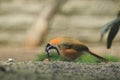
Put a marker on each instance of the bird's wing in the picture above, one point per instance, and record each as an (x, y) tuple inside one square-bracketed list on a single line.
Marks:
[(78, 47)]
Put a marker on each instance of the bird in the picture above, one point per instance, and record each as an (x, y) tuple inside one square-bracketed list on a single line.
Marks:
[(69, 48)]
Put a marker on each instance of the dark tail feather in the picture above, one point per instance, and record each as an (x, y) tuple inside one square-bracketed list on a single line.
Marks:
[(99, 57), (113, 31)]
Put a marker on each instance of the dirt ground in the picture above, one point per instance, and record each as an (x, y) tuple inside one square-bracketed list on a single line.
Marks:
[(27, 54), (59, 71)]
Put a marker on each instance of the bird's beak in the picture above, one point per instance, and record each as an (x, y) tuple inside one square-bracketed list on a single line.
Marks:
[(49, 47)]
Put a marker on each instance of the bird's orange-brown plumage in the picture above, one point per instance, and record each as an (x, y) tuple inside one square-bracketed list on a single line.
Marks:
[(60, 40), (71, 49), (70, 54)]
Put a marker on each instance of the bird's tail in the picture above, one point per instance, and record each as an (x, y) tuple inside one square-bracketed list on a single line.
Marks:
[(99, 57)]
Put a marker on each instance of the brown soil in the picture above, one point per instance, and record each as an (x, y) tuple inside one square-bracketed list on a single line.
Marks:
[(28, 54)]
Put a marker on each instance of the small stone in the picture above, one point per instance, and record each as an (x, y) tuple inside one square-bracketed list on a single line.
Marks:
[(10, 60), (47, 60)]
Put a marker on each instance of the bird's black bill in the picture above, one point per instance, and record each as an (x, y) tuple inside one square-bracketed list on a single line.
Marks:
[(49, 47)]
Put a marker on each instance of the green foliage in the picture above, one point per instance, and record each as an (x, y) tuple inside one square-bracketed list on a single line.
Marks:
[(112, 58), (87, 58), (53, 57)]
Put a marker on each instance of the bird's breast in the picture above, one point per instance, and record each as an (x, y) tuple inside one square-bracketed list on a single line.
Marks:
[(70, 54)]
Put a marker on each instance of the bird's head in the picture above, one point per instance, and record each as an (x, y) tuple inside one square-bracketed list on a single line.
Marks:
[(53, 44)]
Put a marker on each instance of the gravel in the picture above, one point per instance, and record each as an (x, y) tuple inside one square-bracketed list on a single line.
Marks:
[(59, 71)]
